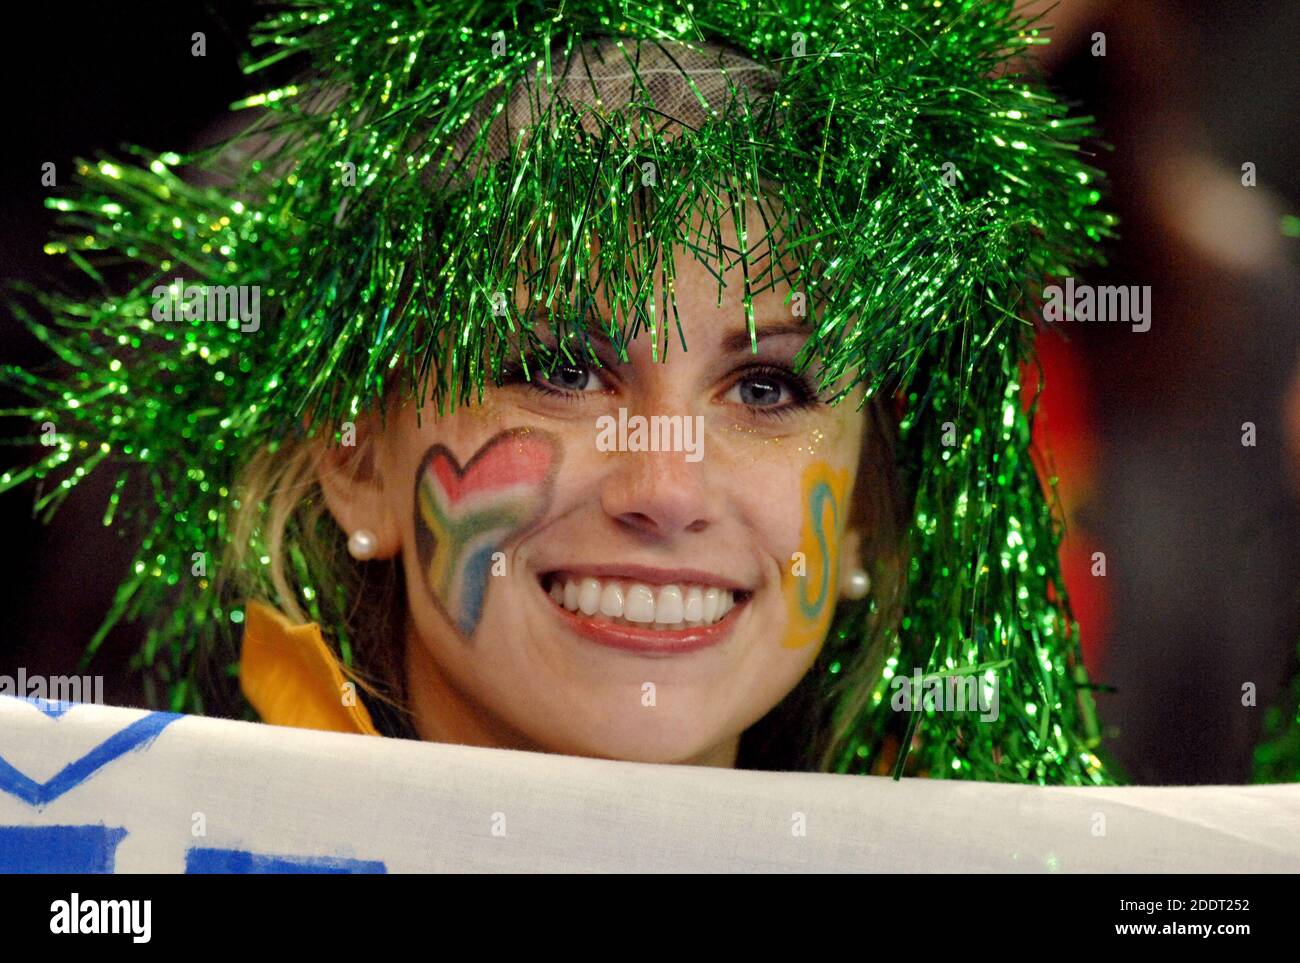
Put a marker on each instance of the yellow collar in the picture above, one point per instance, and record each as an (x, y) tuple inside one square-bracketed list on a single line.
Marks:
[(291, 677)]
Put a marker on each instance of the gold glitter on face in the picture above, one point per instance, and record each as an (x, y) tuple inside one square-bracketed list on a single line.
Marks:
[(815, 439)]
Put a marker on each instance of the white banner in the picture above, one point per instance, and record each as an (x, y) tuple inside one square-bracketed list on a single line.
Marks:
[(87, 788)]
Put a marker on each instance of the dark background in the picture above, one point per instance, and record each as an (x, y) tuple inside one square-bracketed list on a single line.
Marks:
[(1201, 534)]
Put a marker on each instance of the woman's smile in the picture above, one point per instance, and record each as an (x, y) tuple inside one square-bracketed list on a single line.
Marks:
[(649, 611)]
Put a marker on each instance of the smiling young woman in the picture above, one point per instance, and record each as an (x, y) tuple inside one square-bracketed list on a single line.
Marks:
[(808, 233), (523, 588)]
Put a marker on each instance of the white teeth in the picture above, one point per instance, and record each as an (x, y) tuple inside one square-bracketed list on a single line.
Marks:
[(639, 606), (711, 599), (611, 600), (693, 611), (668, 606), (663, 607), (589, 596)]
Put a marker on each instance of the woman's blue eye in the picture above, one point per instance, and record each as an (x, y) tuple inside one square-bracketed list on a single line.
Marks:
[(772, 391), (760, 391), (567, 379), (570, 377)]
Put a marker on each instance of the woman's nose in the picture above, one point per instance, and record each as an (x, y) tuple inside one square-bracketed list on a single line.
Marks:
[(658, 493)]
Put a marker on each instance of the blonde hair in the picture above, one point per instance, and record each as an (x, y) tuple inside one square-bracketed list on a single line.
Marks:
[(286, 551)]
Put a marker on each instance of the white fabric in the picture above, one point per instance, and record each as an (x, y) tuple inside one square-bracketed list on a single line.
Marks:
[(414, 806)]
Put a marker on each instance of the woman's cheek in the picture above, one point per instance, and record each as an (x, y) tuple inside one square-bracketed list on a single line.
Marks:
[(810, 580), (470, 509)]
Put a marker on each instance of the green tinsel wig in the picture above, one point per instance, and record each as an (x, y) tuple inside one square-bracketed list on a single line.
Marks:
[(927, 188)]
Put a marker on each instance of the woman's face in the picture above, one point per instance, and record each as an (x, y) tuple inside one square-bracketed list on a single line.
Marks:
[(573, 590)]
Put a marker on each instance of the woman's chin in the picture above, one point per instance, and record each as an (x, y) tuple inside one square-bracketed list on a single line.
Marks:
[(602, 689), (669, 749)]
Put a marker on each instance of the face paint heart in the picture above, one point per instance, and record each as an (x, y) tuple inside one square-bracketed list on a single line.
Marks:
[(463, 516)]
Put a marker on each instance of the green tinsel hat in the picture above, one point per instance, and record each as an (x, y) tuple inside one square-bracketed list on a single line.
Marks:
[(436, 154)]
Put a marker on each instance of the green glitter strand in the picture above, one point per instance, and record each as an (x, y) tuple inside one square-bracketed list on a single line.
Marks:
[(928, 188)]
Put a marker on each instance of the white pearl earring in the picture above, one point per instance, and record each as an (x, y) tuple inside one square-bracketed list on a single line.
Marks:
[(856, 584), (361, 544)]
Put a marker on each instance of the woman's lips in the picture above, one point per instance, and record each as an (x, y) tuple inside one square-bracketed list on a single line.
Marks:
[(648, 641)]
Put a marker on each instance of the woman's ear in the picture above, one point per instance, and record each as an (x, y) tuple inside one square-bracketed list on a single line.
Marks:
[(356, 493)]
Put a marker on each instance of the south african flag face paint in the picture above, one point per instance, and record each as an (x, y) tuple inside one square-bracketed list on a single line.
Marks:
[(465, 515)]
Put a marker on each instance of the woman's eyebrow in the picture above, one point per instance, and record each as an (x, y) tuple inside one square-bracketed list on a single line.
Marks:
[(735, 341), (547, 342), (739, 340)]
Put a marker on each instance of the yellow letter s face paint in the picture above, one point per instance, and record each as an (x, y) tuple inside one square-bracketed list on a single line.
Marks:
[(811, 596)]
